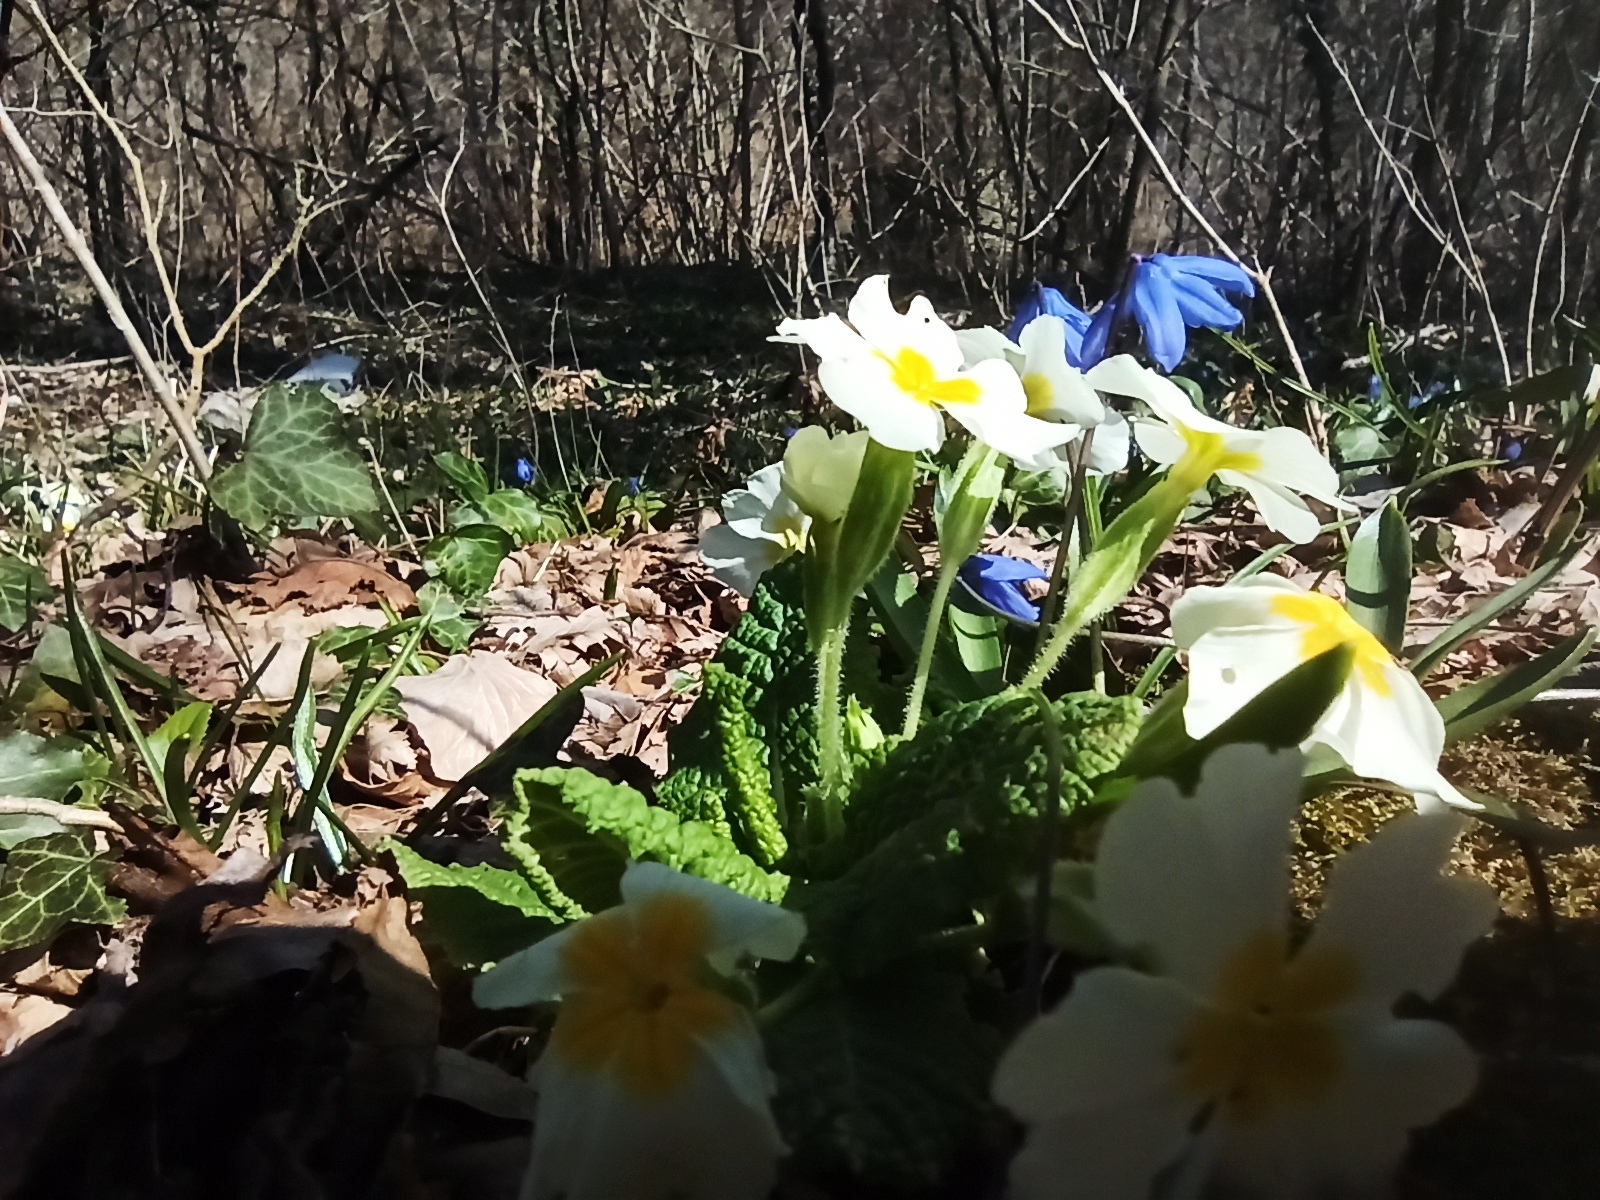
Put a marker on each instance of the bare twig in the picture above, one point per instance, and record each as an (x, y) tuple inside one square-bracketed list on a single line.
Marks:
[(158, 381), (1314, 416), (61, 814)]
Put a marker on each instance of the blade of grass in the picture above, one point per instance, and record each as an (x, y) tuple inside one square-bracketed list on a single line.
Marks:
[(1485, 614), (280, 735)]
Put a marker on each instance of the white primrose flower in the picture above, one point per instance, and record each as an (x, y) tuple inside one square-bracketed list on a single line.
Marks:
[(653, 1085), (762, 526), (769, 519), (1243, 637), (1278, 1068), (898, 373), (1056, 390), (820, 470), (1276, 466)]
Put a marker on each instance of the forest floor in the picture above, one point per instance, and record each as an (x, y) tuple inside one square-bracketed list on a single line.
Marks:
[(687, 397)]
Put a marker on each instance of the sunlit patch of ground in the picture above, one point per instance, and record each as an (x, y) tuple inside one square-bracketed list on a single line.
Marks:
[(1528, 996), (1514, 763)]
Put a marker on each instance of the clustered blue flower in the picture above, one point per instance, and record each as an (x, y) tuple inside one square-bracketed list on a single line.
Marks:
[(1167, 294), (1044, 301)]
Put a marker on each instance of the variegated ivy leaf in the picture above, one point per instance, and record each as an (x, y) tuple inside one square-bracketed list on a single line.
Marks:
[(296, 463), (47, 883)]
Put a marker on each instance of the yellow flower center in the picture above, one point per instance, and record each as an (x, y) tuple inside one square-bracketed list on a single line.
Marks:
[(914, 375), (1041, 396), (793, 538), (1325, 623), (1207, 454), (638, 1003), (1266, 1040)]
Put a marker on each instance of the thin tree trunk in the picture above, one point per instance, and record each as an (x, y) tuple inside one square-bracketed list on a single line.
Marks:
[(1173, 25)]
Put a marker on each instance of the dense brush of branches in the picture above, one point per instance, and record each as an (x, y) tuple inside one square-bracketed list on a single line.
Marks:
[(1409, 158)]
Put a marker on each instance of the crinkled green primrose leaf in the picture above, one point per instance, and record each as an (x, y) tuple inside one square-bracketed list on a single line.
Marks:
[(476, 914), (573, 833)]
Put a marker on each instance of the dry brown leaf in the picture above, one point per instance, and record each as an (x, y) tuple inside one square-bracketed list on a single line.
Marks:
[(22, 1016), (382, 762), (469, 707), (329, 583)]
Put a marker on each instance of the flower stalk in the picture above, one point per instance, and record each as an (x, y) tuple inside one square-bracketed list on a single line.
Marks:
[(830, 730), (1109, 572), (1069, 518), (978, 481)]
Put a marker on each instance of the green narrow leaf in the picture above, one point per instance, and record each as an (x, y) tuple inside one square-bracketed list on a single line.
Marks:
[(469, 477), (187, 724), (50, 882), (980, 641), (295, 463), (1377, 576), (1487, 613), (22, 586), (467, 558), (476, 914), (1477, 706), (903, 609)]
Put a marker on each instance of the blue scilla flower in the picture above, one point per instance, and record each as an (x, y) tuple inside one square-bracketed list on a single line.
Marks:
[(525, 471), (633, 484), (1435, 389), (995, 583), (1169, 294), (1512, 450), (1044, 301)]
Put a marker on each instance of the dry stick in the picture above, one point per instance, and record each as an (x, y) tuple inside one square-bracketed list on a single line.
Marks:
[(198, 352), (1583, 454), (1466, 234), (61, 814), (1549, 220), (1416, 203), (70, 233), (1314, 417)]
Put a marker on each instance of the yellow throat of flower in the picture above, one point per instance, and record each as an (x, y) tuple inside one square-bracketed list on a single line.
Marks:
[(1266, 1041), (1324, 624), (914, 375), (1206, 454), (638, 1002), (1041, 396)]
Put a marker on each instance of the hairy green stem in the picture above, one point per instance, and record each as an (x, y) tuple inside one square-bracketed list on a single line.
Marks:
[(961, 531), (1049, 841), (1079, 457), (830, 729), (1072, 622), (930, 642)]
